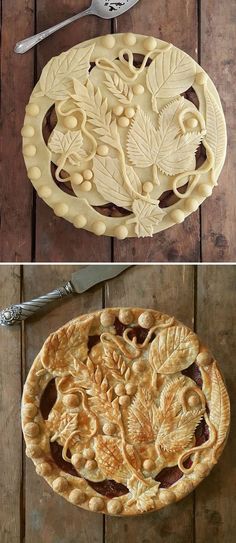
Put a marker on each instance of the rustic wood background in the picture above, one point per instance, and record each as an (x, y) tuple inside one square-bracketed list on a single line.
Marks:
[(29, 229), (204, 298)]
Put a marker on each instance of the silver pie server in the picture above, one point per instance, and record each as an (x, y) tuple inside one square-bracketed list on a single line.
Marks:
[(106, 9), (80, 281)]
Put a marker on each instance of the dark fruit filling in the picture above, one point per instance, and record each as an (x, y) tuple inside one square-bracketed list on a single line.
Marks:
[(112, 210), (48, 399), (137, 331), (110, 489), (56, 452), (194, 373), (93, 340), (168, 476), (49, 123), (191, 95), (201, 433)]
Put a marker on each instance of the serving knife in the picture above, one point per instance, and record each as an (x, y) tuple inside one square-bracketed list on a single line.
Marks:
[(80, 281)]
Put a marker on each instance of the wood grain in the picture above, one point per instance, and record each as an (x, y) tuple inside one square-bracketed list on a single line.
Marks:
[(49, 518), (155, 287), (57, 240), (218, 52), (17, 80), (216, 325), (174, 21), (11, 512)]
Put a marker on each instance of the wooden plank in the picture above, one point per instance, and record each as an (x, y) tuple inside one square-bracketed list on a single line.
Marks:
[(17, 74), (10, 427), (49, 518), (169, 289), (174, 21), (218, 51), (216, 325), (53, 233)]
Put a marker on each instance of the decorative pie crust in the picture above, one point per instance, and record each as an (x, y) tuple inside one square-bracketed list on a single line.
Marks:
[(124, 411), (124, 135)]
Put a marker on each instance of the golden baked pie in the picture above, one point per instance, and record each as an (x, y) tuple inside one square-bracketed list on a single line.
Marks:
[(124, 411), (124, 135)]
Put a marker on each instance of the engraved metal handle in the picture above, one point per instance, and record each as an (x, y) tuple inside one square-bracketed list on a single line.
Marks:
[(27, 44), (17, 313)]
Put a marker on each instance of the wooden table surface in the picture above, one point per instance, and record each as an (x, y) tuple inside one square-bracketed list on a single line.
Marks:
[(203, 298), (29, 229)]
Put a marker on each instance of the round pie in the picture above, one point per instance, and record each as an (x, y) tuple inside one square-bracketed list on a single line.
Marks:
[(124, 135), (124, 411)]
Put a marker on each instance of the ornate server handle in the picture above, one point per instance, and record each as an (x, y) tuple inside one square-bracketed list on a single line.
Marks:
[(17, 313), (27, 44)]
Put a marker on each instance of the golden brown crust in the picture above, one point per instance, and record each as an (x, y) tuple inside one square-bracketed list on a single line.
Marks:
[(127, 408)]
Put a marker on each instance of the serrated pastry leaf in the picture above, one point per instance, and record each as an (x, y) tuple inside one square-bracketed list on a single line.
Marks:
[(143, 494), (220, 405), (69, 145), (109, 182), (143, 418), (147, 216), (173, 350), (170, 73), (176, 432), (142, 145), (119, 88), (56, 79), (110, 459), (176, 151), (66, 345), (166, 147), (170, 395), (215, 127)]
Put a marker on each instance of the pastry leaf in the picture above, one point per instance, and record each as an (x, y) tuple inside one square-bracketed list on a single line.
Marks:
[(68, 144), (109, 182), (176, 432), (142, 145), (173, 349), (143, 418), (56, 79), (170, 73), (219, 405), (147, 216), (142, 494), (215, 126)]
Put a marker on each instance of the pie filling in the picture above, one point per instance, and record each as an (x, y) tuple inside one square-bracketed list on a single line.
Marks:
[(110, 488)]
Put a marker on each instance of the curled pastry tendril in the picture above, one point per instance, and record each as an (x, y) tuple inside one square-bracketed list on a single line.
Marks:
[(77, 432), (42, 372), (198, 391), (140, 346), (83, 128), (199, 449), (107, 339), (63, 159), (195, 175), (110, 66), (195, 114)]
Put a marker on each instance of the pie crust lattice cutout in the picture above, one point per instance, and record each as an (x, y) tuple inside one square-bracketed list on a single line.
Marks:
[(126, 117), (124, 411)]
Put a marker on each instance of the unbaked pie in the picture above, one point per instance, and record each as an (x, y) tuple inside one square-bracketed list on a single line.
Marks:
[(124, 411), (124, 135)]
